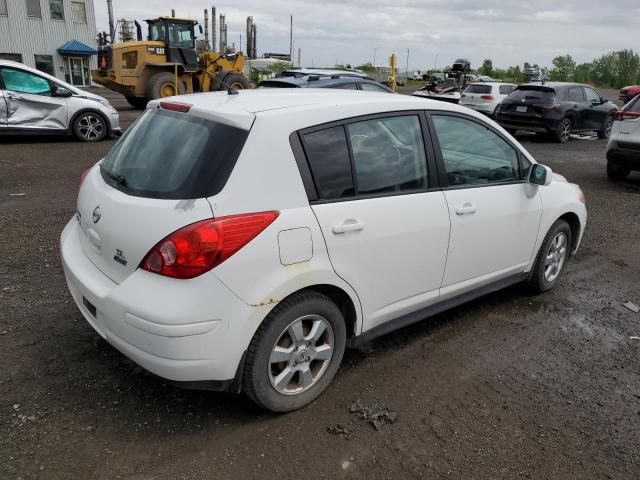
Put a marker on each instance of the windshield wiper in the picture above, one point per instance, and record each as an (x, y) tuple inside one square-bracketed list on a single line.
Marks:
[(116, 177)]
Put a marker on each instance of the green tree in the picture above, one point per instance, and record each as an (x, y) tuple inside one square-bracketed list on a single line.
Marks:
[(486, 68), (366, 68), (582, 73), (564, 68)]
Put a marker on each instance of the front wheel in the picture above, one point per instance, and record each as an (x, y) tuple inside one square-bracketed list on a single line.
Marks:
[(605, 129), (563, 133), (616, 172), (90, 127), (163, 84), (551, 258), (295, 353)]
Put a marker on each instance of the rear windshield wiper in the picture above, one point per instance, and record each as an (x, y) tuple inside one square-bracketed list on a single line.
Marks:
[(116, 177)]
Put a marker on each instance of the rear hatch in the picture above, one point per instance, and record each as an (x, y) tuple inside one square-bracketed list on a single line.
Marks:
[(529, 100), (626, 127), (474, 94), (154, 181)]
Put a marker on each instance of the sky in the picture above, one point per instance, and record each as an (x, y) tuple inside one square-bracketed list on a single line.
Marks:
[(433, 33)]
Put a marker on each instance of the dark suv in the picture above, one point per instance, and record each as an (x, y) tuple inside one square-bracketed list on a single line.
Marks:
[(346, 82), (558, 109)]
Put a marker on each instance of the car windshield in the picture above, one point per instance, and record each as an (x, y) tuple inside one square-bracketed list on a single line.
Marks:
[(172, 155), (478, 89), (544, 94)]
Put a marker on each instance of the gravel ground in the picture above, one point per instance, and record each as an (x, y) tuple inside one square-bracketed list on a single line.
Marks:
[(509, 386)]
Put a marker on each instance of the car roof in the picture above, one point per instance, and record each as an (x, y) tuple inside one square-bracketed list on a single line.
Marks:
[(240, 109), (553, 84)]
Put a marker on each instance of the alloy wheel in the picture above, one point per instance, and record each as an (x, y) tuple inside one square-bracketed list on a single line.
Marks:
[(565, 132), (556, 256), (301, 354), (91, 127)]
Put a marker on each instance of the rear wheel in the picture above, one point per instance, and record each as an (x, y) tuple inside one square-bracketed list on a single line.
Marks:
[(90, 127), (163, 84), (139, 103), (563, 133), (551, 258), (616, 172), (295, 353), (605, 129)]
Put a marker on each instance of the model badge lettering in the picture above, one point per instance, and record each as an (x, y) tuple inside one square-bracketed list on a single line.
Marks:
[(119, 257), (97, 213)]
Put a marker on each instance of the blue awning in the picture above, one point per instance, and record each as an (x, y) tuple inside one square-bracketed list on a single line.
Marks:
[(76, 48)]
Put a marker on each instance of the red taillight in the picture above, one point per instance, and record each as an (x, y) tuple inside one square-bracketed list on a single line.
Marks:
[(463, 95), (622, 115), (83, 176), (201, 246), (176, 106), (487, 97)]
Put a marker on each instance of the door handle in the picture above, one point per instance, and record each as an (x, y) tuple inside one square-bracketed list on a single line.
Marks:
[(467, 207), (350, 225), (13, 96)]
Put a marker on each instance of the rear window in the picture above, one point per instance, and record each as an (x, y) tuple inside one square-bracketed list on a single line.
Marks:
[(506, 89), (633, 105), (172, 155), (276, 84), (478, 89), (534, 93)]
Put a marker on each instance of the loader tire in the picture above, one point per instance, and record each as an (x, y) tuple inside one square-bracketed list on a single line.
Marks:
[(162, 84)]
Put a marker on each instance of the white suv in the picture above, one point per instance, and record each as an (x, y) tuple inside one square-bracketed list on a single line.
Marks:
[(242, 241), (485, 97)]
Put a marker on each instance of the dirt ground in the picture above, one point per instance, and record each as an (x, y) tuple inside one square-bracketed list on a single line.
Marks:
[(509, 386)]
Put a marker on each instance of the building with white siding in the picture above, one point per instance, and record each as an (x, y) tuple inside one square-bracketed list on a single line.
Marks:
[(55, 36)]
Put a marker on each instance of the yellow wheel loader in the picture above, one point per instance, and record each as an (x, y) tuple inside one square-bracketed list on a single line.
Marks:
[(166, 64)]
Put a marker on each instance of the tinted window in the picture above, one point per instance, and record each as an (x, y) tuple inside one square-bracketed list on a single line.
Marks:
[(478, 89), (542, 94), (388, 155), (173, 155), (506, 89), (344, 86), (473, 154), (576, 94), (591, 95), (373, 88), (328, 156), (57, 9), (276, 84), (633, 105), (24, 82)]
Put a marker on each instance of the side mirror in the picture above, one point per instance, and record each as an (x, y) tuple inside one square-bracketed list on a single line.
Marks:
[(603, 100), (540, 175), (62, 92)]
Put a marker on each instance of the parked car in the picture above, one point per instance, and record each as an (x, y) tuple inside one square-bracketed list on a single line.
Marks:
[(332, 81), (485, 97), (628, 93), (242, 241), (623, 151), (33, 102), (556, 108), (325, 72)]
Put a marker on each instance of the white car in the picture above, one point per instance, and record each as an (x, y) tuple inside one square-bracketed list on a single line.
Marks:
[(242, 241), (35, 103), (623, 151), (485, 97)]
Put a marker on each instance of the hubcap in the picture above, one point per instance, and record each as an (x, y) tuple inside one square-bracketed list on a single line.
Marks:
[(167, 90), (608, 128), (556, 255), (301, 354), (91, 127), (566, 131)]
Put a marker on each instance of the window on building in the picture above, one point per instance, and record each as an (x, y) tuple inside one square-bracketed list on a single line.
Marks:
[(44, 63), (79, 12), (14, 57), (33, 9), (3, 7), (57, 9)]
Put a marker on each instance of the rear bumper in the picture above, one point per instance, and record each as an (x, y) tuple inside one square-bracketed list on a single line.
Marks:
[(527, 123), (183, 330), (625, 157), (487, 109)]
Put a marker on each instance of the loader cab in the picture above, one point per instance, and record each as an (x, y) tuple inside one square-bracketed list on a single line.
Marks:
[(179, 37)]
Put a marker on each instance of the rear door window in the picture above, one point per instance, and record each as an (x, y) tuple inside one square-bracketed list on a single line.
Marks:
[(592, 96), (372, 87), (345, 86), (172, 155), (328, 155), (576, 94)]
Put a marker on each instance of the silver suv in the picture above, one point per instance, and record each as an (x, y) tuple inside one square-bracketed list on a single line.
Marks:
[(33, 102), (623, 151)]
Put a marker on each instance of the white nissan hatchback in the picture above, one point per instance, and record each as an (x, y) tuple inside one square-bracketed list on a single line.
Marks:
[(243, 241)]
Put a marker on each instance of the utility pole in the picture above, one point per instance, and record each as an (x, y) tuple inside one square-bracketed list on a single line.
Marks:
[(291, 40), (374, 55), (407, 70), (112, 26)]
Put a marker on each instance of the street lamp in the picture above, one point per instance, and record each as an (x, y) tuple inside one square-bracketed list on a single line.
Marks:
[(374, 55)]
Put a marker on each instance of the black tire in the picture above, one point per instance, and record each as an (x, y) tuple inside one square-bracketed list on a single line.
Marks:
[(605, 129), (538, 282), (563, 132), (257, 382), (139, 103), (616, 172), (162, 85), (90, 127), (226, 79)]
